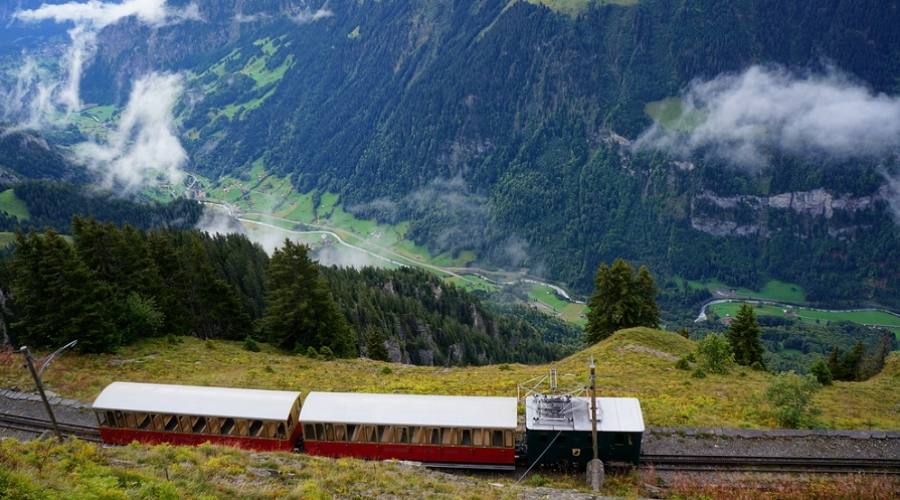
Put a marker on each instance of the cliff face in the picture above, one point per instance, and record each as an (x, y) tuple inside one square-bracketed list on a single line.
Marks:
[(745, 215)]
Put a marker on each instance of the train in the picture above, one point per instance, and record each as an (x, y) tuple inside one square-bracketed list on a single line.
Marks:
[(441, 431)]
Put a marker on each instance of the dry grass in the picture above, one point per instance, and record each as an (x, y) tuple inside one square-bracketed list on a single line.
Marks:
[(781, 487), (635, 362)]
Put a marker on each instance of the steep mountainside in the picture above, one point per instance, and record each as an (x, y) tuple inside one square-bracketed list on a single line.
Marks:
[(506, 127)]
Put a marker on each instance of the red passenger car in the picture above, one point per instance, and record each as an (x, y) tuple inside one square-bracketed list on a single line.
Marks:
[(190, 415), (450, 430)]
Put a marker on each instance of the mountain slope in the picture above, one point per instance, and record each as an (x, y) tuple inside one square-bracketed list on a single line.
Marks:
[(505, 127)]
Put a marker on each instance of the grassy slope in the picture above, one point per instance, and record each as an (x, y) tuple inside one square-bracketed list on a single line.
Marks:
[(636, 362), (46, 469), (12, 205), (812, 316)]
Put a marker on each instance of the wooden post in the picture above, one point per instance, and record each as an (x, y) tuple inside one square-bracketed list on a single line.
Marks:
[(40, 386)]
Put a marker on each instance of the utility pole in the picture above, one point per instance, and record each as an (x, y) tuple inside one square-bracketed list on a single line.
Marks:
[(595, 466), (36, 374), (40, 386)]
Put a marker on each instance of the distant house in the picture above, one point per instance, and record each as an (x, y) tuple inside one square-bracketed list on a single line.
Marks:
[(789, 313), (727, 320)]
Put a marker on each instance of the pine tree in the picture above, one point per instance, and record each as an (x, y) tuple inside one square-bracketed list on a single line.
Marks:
[(375, 344), (744, 337), (621, 299), (301, 311)]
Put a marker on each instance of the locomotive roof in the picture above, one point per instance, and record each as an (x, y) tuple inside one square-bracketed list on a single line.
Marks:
[(613, 415), (408, 409), (253, 404)]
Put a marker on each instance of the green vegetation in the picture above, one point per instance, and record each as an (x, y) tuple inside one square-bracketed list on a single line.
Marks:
[(575, 7), (813, 316), (744, 336), (12, 205), (791, 396), (714, 354), (774, 290), (76, 469), (670, 113), (7, 239), (636, 362), (301, 312), (621, 299)]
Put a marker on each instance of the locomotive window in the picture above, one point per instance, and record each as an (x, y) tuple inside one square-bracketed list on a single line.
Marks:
[(497, 439), (309, 432), (436, 436), (256, 427), (172, 423), (466, 437), (227, 426), (199, 425)]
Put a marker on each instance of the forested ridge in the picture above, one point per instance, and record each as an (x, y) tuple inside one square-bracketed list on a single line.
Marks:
[(113, 285), (503, 127)]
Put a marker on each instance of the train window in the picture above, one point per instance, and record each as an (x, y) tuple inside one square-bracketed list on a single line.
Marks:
[(143, 421), (320, 432), (129, 420), (227, 426), (171, 423), (497, 439), (256, 428), (282, 432), (384, 434), (508, 439), (290, 420), (351, 431), (340, 432), (329, 432), (436, 436), (199, 425), (466, 437), (371, 434), (119, 419), (110, 419), (309, 432), (449, 436), (403, 435)]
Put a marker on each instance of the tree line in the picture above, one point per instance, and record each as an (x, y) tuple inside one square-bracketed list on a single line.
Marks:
[(110, 285)]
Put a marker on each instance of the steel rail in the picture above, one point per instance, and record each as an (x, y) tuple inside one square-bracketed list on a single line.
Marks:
[(708, 463), (39, 425)]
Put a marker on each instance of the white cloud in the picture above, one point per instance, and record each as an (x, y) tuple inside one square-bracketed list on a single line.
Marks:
[(89, 18), (144, 144), (744, 117), (307, 15)]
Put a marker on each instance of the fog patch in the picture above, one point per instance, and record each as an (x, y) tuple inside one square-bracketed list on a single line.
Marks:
[(307, 15), (340, 256), (744, 118), (144, 147)]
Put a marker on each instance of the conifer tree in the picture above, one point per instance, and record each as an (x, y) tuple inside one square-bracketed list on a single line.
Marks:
[(744, 337), (375, 340), (621, 300), (301, 311)]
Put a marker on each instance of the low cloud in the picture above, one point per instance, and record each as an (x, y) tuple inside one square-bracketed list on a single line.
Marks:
[(88, 18), (744, 118), (893, 194), (144, 146), (307, 15), (340, 256)]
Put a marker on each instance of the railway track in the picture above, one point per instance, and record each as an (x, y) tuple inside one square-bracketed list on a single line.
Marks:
[(39, 425), (817, 465)]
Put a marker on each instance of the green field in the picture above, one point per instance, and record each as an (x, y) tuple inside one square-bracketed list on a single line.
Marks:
[(670, 114), (565, 310), (812, 316), (10, 204), (575, 7), (773, 290)]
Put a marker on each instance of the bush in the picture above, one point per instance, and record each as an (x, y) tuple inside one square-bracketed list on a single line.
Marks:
[(820, 370), (326, 353), (311, 352), (714, 354), (386, 370), (251, 345), (791, 397), (683, 363), (698, 373)]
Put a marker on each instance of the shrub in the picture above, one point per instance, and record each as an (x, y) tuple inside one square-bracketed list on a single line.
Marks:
[(504, 367), (821, 371), (698, 373), (386, 370), (326, 353), (251, 345), (683, 363), (791, 397), (311, 352), (714, 354)]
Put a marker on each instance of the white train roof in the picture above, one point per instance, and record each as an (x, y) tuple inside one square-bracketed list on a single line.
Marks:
[(253, 404), (574, 414), (407, 409)]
